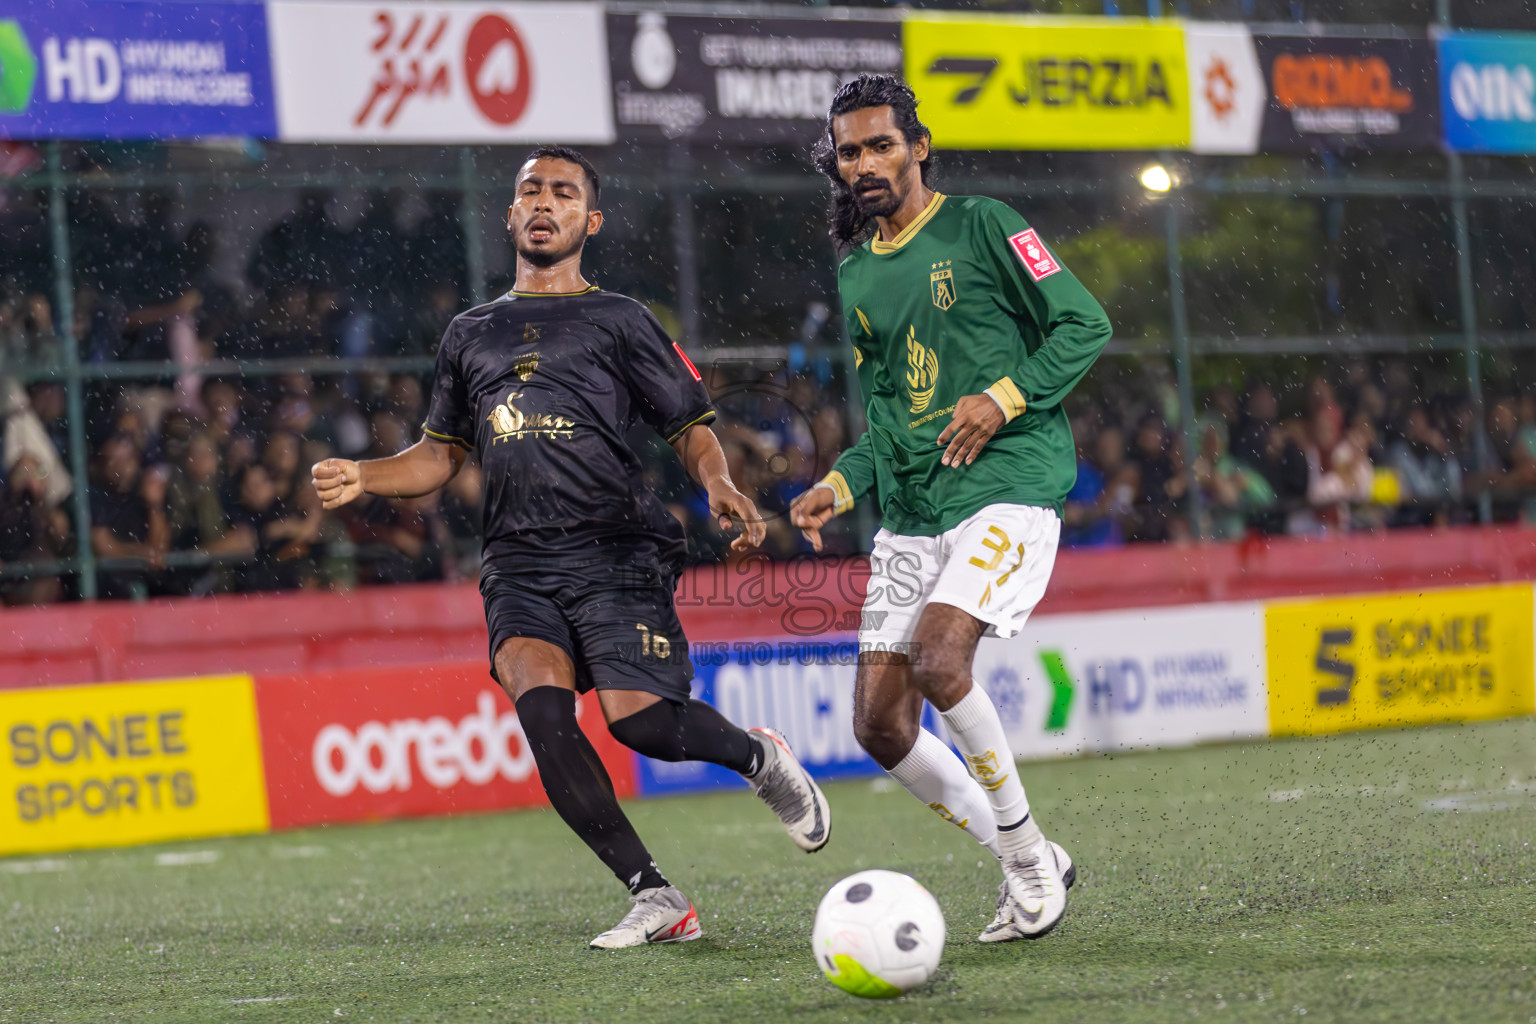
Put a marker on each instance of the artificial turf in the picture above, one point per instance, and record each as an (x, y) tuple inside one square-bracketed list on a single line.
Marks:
[(1383, 876)]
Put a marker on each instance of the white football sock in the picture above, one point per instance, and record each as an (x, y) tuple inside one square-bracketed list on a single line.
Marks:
[(978, 732), (932, 773)]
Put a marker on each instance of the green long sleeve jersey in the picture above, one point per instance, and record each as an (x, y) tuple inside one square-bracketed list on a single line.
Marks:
[(966, 300)]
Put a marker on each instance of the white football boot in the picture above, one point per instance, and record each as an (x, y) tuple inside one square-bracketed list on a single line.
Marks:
[(658, 915), (1012, 920), (791, 793)]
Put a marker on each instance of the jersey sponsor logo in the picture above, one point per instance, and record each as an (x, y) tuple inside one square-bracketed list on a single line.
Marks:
[(525, 365), (941, 282), (687, 362), (922, 371), (510, 422), (1032, 253)]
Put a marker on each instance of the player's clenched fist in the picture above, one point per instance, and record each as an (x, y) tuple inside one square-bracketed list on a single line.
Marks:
[(337, 481), (813, 510)]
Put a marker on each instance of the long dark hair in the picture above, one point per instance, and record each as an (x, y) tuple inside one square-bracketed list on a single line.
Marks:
[(849, 228)]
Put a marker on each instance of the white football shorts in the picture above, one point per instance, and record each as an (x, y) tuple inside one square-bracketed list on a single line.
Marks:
[(994, 565)]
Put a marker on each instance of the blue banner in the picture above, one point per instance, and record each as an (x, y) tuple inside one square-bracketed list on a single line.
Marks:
[(1488, 91), (91, 69), (804, 689)]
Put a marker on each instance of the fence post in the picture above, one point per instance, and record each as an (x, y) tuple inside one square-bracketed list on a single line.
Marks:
[(1181, 365), (471, 211), (74, 381)]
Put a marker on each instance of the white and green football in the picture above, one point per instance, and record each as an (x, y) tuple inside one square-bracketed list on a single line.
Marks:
[(878, 934)]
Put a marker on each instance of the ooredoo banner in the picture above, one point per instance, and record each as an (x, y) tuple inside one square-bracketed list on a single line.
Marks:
[(129, 763), (396, 742), (1373, 661), (738, 79), (1488, 91), (134, 70), (1049, 83), (1368, 93), (440, 72), (1157, 677)]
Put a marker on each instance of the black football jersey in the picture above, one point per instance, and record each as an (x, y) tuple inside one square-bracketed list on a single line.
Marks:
[(546, 388)]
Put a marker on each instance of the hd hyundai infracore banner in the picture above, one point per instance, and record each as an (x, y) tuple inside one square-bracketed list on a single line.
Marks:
[(112, 70)]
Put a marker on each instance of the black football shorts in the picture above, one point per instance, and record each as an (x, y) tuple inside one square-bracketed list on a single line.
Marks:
[(617, 621)]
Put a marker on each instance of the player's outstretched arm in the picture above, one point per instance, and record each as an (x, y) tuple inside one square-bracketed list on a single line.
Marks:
[(420, 469), (700, 451)]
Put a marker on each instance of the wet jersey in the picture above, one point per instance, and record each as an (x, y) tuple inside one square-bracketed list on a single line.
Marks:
[(966, 300), (546, 388)]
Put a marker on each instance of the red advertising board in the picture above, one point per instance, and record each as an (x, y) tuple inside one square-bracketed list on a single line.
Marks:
[(402, 741)]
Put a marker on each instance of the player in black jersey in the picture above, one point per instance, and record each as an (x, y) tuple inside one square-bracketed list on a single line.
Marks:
[(581, 559)]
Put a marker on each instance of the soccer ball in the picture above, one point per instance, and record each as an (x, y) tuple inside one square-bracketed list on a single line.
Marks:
[(878, 934)]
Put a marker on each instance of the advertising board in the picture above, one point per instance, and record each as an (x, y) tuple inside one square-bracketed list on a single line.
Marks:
[(1049, 83), (740, 80), (1488, 91), (804, 689), (1400, 659), (440, 72), (397, 742), (124, 763), (123, 70), (1227, 90), (1124, 680), (1371, 93)]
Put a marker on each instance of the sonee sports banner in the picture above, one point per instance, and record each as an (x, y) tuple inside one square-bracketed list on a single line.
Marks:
[(1049, 83)]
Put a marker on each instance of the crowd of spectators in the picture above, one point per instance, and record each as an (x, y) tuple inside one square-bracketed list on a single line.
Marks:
[(1372, 450), (199, 483)]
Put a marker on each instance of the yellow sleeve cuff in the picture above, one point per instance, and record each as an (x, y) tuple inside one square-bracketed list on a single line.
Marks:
[(1008, 398), (840, 491)]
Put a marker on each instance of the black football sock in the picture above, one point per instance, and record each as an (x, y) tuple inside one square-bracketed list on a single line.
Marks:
[(579, 787), (692, 731)]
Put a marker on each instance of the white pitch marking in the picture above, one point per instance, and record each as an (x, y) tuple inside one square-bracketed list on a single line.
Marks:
[(181, 860), (30, 867)]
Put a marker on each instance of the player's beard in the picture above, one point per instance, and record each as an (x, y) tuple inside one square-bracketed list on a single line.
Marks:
[(888, 201), (546, 256)]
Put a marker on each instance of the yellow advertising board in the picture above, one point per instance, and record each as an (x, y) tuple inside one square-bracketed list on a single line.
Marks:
[(128, 763), (1049, 83), (1400, 659)]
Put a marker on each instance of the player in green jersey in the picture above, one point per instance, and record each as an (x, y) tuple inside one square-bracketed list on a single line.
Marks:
[(967, 333)]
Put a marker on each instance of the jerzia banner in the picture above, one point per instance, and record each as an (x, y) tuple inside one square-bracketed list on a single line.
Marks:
[(738, 79), (1049, 83), (1367, 93)]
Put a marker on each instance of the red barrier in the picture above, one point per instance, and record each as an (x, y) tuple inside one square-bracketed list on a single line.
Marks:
[(424, 623), (401, 742)]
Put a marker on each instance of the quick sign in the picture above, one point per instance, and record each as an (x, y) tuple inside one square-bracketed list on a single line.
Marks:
[(105, 70), (1227, 90), (1488, 91), (738, 79), (129, 763), (440, 72), (1045, 83)]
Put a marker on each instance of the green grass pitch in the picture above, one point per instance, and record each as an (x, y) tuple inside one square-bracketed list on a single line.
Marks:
[(1380, 876)]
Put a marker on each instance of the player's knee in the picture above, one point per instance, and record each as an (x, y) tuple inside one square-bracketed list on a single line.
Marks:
[(653, 732), (940, 682), (884, 738)]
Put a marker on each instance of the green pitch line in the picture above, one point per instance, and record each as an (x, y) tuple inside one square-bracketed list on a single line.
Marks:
[(1383, 876)]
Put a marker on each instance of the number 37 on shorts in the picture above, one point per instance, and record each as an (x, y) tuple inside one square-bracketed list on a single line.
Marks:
[(994, 566)]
